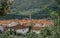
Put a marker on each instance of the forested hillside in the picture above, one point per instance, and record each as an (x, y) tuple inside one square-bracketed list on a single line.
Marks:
[(30, 4), (34, 7)]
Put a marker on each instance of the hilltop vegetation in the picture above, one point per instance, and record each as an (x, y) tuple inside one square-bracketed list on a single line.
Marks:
[(23, 8), (27, 6)]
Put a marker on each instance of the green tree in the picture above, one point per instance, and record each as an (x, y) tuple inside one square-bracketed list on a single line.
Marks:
[(5, 6), (52, 31)]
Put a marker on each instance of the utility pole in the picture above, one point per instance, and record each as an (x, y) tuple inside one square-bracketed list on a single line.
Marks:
[(30, 17)]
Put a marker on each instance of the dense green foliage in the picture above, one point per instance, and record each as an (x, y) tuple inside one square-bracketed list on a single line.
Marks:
[(54, 30), (4, 7)]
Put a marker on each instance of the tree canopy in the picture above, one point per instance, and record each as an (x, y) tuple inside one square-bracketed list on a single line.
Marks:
[(5, 6)]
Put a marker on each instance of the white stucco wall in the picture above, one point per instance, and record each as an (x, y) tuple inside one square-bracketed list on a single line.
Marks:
[(23, 31)]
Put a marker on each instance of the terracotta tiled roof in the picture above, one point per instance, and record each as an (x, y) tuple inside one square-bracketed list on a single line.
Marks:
[(46, 22), (26, 22)]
